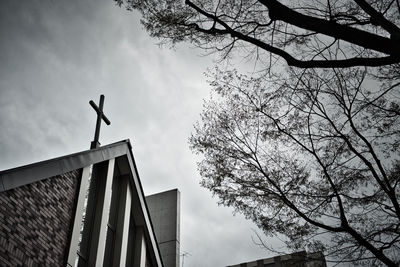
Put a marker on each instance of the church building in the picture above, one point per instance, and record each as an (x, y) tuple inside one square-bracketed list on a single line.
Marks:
[(86, 209)]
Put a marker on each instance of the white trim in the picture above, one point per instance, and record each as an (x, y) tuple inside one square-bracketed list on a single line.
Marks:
[(137, 185), (105, 214), (80, 208), (140, 248), (125, 226), (31, 173)]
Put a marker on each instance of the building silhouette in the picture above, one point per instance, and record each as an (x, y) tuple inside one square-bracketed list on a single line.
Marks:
[(298, 259)]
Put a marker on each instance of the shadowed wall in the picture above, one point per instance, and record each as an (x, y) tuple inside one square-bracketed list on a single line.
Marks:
[(164, 211), (35, 221)]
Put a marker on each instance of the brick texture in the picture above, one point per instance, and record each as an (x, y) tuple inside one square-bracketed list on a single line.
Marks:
[(35, 221)]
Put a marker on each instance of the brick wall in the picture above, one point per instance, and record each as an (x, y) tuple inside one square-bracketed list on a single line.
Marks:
[(35, 221)]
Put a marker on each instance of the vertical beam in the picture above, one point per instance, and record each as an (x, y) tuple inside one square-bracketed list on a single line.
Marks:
[(140, 249), (122, 232), (88, 245), (106, 199), (131, 240), (80, 206)]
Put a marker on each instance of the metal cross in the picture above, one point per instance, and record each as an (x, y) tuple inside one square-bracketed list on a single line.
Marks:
[(100, 116)]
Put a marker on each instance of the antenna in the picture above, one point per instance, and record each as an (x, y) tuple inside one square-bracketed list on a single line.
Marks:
[(183, 255)]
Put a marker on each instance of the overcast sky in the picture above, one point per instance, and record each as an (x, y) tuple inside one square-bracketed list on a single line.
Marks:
[(57, 55)]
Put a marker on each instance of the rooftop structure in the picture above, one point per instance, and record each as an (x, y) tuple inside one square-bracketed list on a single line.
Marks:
[(298, 259)]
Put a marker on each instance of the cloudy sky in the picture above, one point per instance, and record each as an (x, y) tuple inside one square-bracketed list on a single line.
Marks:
[(57, 55)]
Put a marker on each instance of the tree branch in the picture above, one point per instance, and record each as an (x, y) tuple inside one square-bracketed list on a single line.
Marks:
[(379, 19), (341, 63), (278, 11)]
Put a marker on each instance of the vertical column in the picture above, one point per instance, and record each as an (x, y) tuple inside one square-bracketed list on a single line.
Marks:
[(122, 232), (131, 243), (80, 206), (104, 213), (125, 232), (140, 249)]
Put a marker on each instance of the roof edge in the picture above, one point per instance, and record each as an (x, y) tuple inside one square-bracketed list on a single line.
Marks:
[(34, 172)]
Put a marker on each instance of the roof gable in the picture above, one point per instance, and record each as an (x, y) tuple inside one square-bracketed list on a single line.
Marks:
[(31, 173), (121, 151)]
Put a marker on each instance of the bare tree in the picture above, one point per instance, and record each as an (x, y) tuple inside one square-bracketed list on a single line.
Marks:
[(311, 153), (305, 33), (313, 158)]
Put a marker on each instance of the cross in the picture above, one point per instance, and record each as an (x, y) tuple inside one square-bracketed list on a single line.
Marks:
[(100, 115)]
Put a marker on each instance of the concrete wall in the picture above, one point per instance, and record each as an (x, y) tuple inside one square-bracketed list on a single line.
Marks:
[(164, 211), (35, 221)]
